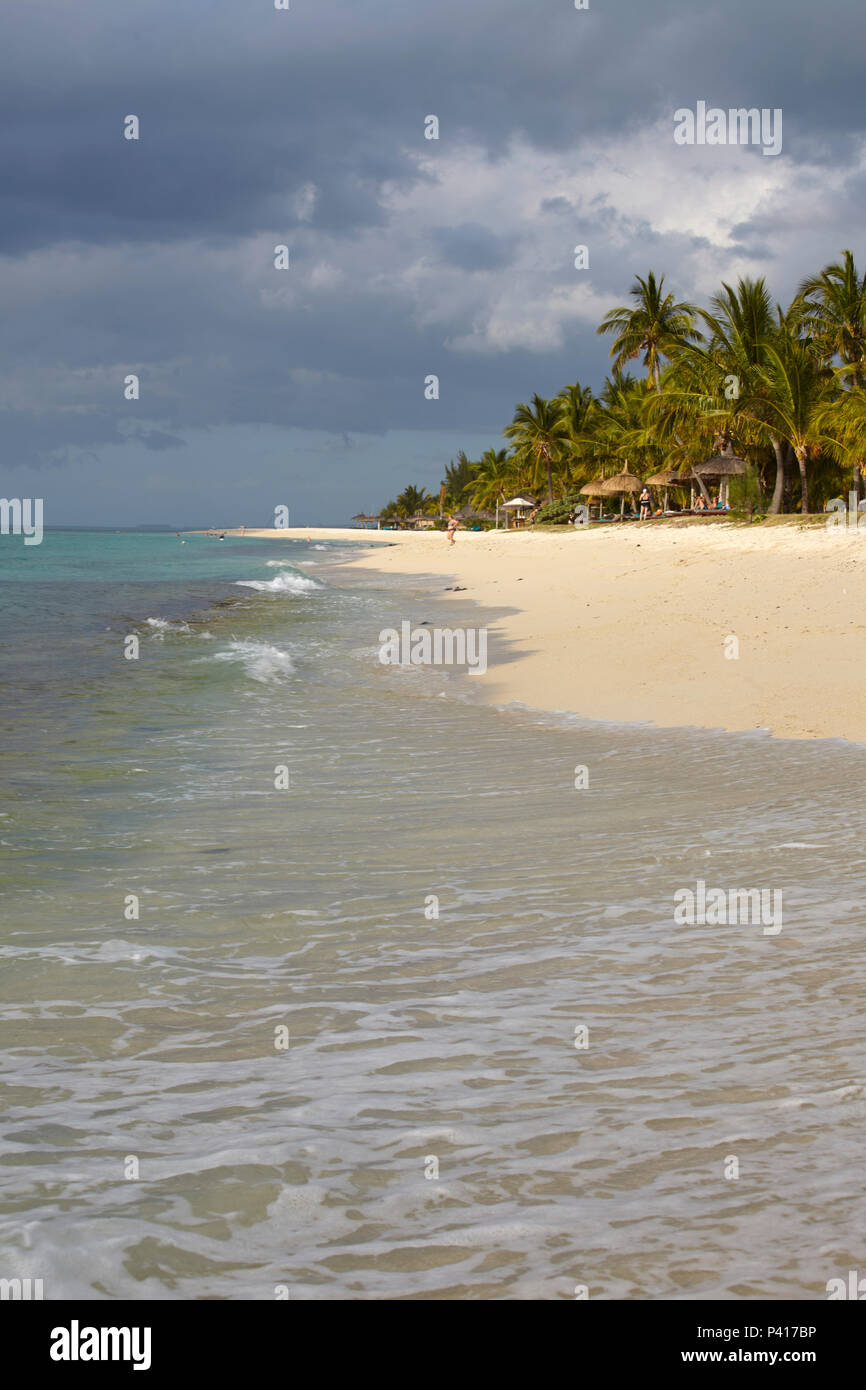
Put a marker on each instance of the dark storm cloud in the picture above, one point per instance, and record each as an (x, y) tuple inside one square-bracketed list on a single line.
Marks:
[(239, 102), (471, 247), (307, 127)]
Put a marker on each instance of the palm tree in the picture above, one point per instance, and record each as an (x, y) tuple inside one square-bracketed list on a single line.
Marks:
[(493, 478), (579, 408), (411, 500), (540, 432), (790, 394), (620, 422), (458, 479), (654, 325), (706, 382), (740, 329), (841, 418), (832, 308)]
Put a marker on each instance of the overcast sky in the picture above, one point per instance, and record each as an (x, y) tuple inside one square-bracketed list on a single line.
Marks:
[(408, 257)]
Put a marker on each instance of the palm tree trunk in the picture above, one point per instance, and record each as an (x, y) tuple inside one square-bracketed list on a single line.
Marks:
[(549, 475), (804, 482), (776, 503), (788, 503)]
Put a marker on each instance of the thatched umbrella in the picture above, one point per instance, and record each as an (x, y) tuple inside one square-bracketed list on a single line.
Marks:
[(667, 478), (593, 489), (621, 483), (520, 506), (721, 466)]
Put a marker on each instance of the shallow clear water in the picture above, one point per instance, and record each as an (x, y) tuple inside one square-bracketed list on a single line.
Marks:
[(415, 1041)]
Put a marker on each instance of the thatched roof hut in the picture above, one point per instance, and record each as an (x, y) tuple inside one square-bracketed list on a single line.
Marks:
[(725, 464), (623, 482), (668, 477), (722, 466), (620, 484)]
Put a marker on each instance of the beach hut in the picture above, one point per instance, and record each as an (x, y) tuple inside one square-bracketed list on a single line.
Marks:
[(594, 489), (520, 506), (621, 484), (367, 521), (721, 468), (667, 478)]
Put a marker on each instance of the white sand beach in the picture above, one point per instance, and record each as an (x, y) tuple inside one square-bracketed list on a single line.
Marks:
[(633, 623)]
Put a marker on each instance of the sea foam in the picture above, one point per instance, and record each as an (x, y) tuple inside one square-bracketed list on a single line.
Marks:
[(284, 583), (261, 661), (162, 625)]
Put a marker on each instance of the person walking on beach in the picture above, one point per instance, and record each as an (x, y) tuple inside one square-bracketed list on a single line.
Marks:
[(453, 523), (645, 504), (532, 515)]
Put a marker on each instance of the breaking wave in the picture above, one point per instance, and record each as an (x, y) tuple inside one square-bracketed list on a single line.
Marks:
[(287, 582), (261, 661)]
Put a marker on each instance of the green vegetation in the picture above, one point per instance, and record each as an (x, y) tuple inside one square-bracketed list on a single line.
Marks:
[(786, 387)]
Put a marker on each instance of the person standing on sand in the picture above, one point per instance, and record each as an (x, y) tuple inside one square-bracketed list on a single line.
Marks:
[(532, 515), (453, 523), (645, 504)]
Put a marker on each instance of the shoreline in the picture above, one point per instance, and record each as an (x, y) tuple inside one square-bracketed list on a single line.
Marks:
[(721, 627)]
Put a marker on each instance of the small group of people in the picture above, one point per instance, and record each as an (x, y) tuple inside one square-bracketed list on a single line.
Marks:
[(453, 524), (646, 507), (700, 504), (646, 511)]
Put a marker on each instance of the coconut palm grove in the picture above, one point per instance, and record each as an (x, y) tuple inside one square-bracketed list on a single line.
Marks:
[(783, 386)]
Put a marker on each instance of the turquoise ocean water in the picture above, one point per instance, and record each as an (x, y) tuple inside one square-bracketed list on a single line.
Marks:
[(431, 1129)]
